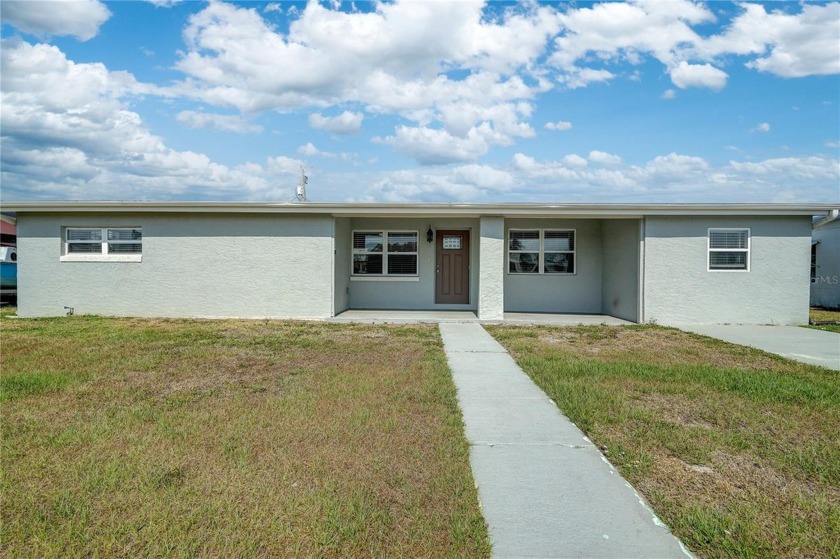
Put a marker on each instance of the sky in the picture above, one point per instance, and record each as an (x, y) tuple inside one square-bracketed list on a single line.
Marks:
[(421, 101)]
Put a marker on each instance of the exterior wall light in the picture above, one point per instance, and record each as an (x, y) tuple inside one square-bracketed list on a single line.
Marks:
[(430, 235)]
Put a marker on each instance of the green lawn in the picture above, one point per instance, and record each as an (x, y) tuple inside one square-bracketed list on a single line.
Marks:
[(737, 450), (825, 319), (176, 438)]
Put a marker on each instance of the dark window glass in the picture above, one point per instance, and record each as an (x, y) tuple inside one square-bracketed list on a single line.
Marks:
[(559, 263), (402, 264), (367, 264), (524, 262)]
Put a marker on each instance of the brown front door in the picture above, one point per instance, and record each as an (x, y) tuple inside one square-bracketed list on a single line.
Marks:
[(452, 282)]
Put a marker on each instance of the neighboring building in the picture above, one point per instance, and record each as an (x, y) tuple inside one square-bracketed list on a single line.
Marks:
[(825, 262), (8, 258), (8, 230), (671, 264)]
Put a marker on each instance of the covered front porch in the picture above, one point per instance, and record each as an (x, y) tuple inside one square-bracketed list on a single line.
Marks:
[(567, 270)]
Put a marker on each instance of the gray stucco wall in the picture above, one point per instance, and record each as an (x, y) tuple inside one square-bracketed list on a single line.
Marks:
[(678, 289), (560, 293), (491, 280), (192, 266), (341, 254), (825, 291), (419, 294), (620, 288)]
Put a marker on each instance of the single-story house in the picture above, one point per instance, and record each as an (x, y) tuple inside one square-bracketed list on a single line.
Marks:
[(664, 263), (825, 262)]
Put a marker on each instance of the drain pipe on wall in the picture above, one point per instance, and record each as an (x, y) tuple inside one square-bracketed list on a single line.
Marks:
[(832, 215)]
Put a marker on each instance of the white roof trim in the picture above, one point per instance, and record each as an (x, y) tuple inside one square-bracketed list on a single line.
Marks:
[(420, 210)]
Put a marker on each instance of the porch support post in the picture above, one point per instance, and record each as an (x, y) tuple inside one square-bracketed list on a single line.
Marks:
[(491, 267)]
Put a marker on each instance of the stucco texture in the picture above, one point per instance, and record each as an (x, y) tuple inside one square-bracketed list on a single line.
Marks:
[(620, 287), (491, 299), (192, 265), (679, 289)]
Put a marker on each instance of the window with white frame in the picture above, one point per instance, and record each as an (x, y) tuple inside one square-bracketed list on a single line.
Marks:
[(541, 251), (729, 250), (103, 241), (385, 253)]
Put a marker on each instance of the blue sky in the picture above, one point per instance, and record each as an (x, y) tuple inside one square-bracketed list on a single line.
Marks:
[(649, 101)]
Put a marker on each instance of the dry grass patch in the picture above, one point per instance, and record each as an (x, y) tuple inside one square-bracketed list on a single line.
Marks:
[(824, 315), (185, 438), (736, 449), (825, 319)]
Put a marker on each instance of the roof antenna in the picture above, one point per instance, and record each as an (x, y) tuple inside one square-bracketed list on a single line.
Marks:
[(300, 193)]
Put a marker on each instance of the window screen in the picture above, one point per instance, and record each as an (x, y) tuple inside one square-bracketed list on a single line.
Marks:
[(385, 253), (729, 249), (541, 251), (104, 240)]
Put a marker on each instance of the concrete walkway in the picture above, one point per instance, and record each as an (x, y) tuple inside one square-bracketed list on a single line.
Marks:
[(545, 489), (808, 345)]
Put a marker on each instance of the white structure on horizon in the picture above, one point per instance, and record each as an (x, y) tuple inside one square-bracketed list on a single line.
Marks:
[(300, 192)]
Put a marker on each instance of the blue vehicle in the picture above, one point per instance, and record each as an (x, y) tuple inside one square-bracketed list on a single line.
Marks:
[(8, 271)]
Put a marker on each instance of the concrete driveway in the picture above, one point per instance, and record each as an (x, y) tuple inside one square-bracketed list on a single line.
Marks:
[(808, 345)]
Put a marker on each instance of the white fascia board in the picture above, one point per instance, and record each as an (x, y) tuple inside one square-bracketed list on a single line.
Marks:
[(591, 211)]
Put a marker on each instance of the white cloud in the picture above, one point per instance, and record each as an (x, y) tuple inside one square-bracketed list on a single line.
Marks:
[(394, 60), (604, 158), (431, 146), (78, 18), (483, 176), (779, 42), (68, 134), (283, 165), (524, 162), (665, 178), (273, 7), (763, 127), (685, 75), (465, 75), (613, 31), (463, 183), (788, 45), (834, 145), (346, 123), (675, 164), (809, 169), (668, 94), (678, 178), (233, 123), (309, 150), (416, 185), (575, 77), (164, 3), (457, 66), (575, 160), (559, 125)]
